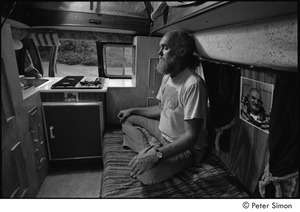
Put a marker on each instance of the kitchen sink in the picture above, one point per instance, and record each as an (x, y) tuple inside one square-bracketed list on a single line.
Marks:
[(29, 82)]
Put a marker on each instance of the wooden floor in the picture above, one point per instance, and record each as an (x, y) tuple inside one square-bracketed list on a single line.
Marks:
[(72, 181)]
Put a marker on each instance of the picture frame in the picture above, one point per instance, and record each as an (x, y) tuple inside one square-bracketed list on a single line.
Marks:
[(256, 100)]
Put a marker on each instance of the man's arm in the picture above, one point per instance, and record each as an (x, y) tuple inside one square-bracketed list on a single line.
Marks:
[(187, 140), (146, 160), (149, 112)]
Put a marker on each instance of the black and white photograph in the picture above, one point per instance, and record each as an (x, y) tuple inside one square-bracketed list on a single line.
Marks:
[(256, 103), (108, 104)]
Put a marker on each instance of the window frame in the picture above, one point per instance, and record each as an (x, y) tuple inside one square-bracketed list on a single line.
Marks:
[(53, 55), (101, 59)]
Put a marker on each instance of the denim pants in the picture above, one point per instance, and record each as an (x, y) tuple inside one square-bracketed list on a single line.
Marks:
[(165, 168)]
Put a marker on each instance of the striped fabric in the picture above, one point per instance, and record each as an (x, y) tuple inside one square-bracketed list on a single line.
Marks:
[(208, 179), (45, 39)]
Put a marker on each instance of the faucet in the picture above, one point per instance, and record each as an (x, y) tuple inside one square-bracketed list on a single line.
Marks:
[(32, 70)]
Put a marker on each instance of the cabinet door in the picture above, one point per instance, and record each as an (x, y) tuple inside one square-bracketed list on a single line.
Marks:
[(37, 138), (14, 175), (73, 129)]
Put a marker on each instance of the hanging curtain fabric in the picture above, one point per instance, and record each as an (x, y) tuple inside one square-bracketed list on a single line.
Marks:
[(223, 81), (29, 63), (158, 10), (284, 125), (45, 39), (179, 3), (29, 66), (48, 39), (283, 164), (161, 7)]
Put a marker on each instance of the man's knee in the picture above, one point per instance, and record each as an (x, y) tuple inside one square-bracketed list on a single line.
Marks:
[(164, 170), (133, 120), (150, 178)]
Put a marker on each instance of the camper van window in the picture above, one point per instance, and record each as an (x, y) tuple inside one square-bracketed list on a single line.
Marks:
[(74, 57), (45, 57), (116, 60)]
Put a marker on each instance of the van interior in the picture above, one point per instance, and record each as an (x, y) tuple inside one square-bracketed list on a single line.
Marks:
[(68, 69)]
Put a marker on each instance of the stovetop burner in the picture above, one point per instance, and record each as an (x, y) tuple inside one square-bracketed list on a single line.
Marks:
[(79, 82), (91, 83), (67, 82)]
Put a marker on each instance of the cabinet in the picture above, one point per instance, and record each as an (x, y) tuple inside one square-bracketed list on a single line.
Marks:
[(34, 147), (36, 135), (73, 129), (21, 176), (14, 173)]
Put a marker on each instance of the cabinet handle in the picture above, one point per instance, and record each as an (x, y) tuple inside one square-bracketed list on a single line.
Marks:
[(42, 160), (51, 132)]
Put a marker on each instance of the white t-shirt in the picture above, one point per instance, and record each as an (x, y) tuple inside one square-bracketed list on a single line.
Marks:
[(255, 117), (182, 97)]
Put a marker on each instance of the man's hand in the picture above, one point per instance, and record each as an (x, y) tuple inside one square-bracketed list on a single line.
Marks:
[(143, 161), (123, 115)]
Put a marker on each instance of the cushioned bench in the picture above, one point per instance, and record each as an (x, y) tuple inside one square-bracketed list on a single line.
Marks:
[(208, 179)]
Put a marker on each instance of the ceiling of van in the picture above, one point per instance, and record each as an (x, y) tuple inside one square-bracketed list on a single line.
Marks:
[(132, 9), (119, 17), (139, 17), (130, 17), (138, 9)]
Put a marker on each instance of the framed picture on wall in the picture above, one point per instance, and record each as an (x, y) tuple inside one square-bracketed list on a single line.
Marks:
[(256, 103)]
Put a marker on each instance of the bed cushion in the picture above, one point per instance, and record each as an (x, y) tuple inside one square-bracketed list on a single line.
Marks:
[(208, 179)]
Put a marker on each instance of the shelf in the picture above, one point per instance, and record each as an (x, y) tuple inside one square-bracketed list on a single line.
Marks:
[(216, 14)]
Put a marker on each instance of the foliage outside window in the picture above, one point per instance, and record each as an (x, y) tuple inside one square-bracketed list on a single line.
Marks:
[(75, 57), (82, 57)]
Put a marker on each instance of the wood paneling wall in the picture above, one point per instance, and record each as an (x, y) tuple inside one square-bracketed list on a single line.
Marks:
[(248, 145), (270, 43)]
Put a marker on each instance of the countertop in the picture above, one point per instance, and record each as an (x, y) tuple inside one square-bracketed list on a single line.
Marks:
[(46, 87)]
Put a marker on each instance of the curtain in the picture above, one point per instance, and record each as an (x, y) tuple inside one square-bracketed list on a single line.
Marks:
[(48, 39), (45, 39), (281, 171), (223, 81), (284, 125)]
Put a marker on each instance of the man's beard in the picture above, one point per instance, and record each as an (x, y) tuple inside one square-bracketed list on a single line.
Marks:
[(255, 109), (165, 66)]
